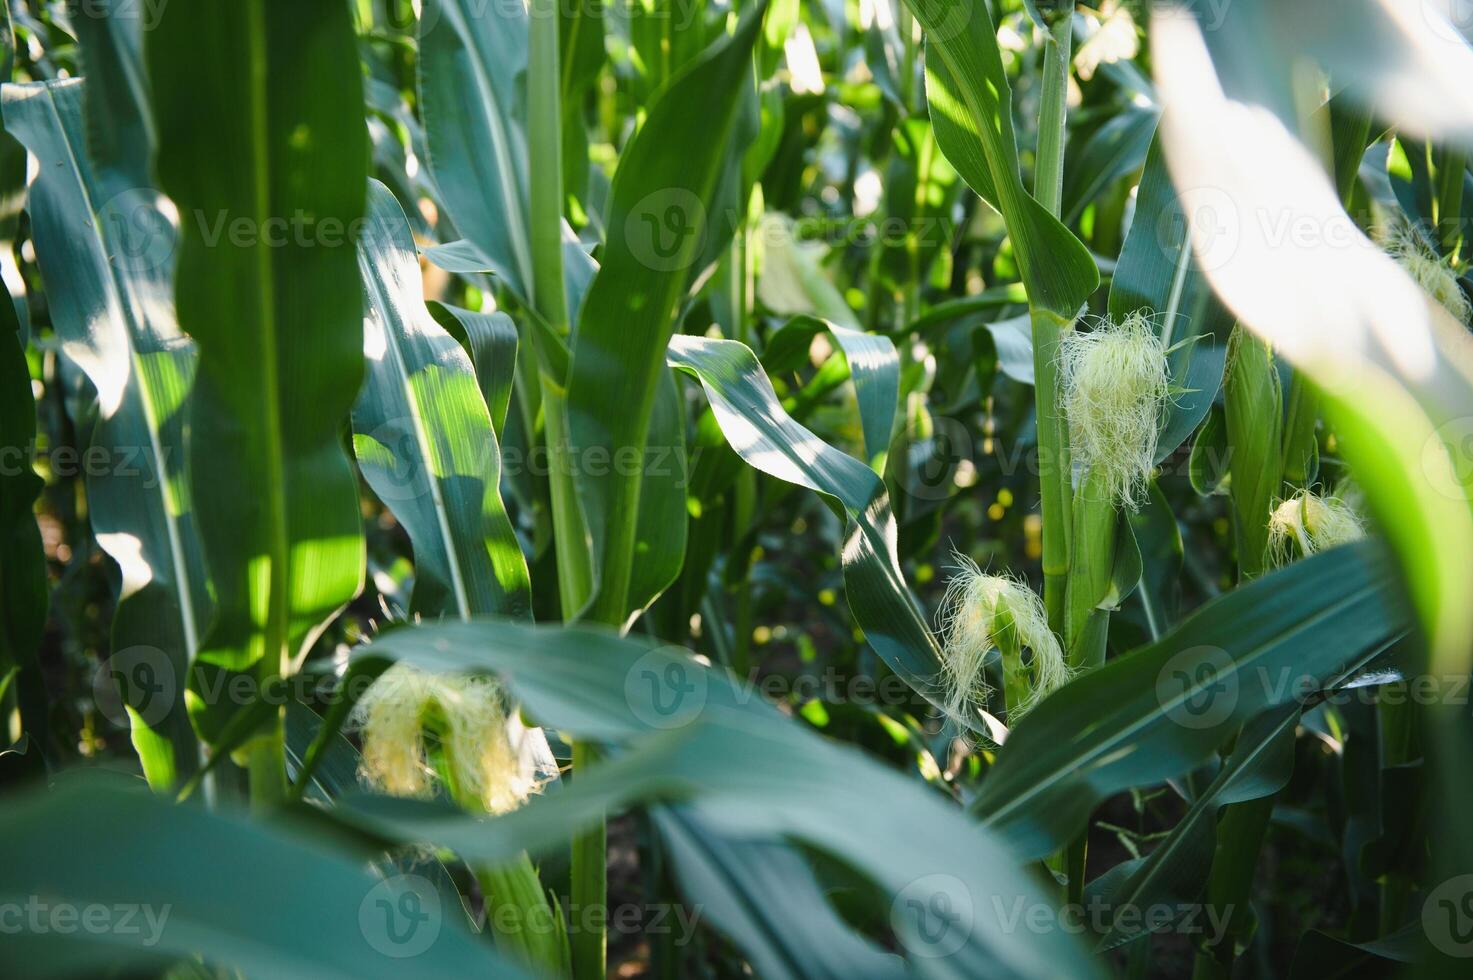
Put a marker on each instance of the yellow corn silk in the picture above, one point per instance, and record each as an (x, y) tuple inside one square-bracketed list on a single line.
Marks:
[(1115, 387), (1430, 271), (469, 714), (1307, 523), (981, 611)]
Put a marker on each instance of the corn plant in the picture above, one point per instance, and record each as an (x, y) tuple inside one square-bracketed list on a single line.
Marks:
[(956, 488)]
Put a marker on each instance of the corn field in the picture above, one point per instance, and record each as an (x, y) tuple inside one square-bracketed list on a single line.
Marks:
[(723, 488)]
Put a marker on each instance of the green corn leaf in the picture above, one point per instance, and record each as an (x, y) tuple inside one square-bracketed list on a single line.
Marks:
[(1159, 537), (1196, 368), (120, 132), (971, 112), (23, 596), (1390, 57), (873, 363), (1174, 872), (337, 772), (424, 439), (1208, 463), (1253, 409), (1395, 374), (1158, 272), (657, 225), (259, 107), (1320, 954), (1153, 714), (696, 735), (105, 246), (755, 891), (166, 863), (793, 280), (470, 58), (1113, 151), (661, 528), (491, 340), (1014, 345), (762, 433)]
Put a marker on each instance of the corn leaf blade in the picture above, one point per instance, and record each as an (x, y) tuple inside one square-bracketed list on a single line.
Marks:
[(762, 433), (104, 245), (424, 439), (743, 768), (668, 173), (260, 108), (168, 861)]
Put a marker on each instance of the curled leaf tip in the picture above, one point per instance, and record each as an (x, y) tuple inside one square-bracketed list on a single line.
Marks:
[(1116, 385)]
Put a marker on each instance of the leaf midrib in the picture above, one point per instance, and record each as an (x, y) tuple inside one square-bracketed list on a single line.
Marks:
[(385, 303), (188, 623), (1202, 806), (510, 185), (279, 543)]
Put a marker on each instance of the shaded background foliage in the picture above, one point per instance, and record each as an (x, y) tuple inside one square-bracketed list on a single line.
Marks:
[(848, 245)]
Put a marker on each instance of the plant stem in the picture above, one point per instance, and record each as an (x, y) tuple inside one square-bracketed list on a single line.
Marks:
[(574, 572), (1299, 431), (1093, 545), (1054, 469), (1240, 833), (545, 152), (1254, 404), (515, 900), (266, 758), (1048, 169), (588, 888), (744, 494), (267, 766)]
